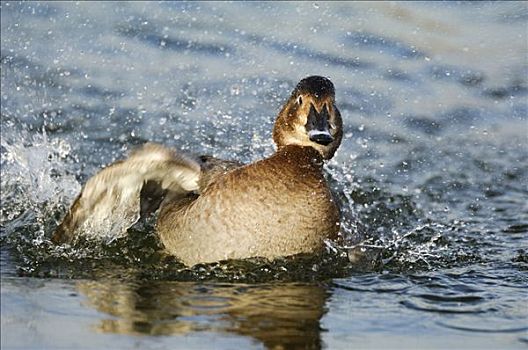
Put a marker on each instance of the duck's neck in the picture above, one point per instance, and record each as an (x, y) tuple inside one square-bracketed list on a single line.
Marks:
[(301, 155)]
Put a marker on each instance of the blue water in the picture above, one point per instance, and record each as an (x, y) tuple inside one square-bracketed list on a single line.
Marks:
[(431, 176)]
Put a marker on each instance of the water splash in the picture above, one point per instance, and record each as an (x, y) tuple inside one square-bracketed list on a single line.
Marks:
[(379, 230), (37, 182)]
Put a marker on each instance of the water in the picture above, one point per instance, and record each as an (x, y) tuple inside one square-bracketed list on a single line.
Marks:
[(432, 173)]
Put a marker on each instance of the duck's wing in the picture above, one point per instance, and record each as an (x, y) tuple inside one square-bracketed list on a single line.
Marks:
[(115, 198), (212, 168)]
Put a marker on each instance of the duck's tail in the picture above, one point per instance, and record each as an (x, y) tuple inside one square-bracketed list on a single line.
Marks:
[(116, 197)]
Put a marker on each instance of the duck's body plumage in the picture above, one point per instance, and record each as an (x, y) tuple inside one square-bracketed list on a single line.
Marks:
[(278, 206), (210, 209)]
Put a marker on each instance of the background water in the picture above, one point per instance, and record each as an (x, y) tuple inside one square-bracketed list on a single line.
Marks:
[(432, 173)]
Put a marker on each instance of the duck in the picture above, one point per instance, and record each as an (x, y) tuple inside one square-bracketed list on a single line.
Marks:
[(209, 209)]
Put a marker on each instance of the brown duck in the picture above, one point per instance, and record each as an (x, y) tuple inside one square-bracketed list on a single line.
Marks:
[(210, 209)]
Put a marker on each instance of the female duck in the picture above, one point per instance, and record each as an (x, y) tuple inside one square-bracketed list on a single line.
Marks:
[(213, 210)]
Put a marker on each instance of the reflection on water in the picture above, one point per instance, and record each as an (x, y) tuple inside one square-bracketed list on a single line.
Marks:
[(277, 315)]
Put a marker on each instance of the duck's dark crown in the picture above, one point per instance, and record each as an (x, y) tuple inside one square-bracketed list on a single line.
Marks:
[(315, 85)]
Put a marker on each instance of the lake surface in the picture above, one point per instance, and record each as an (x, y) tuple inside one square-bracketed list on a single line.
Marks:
[(432, 174)]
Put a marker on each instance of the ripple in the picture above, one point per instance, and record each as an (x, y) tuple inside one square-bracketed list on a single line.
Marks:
[(371, 41), (517, 228), (375, 284), (149, 35), (495, 328), (466, 77), (456, 298), (444, 309), (424, 124)]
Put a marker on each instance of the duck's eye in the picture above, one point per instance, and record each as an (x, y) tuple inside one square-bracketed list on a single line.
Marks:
[(299, 100)]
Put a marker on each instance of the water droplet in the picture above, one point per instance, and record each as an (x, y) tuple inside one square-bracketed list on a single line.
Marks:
[(235, 90)]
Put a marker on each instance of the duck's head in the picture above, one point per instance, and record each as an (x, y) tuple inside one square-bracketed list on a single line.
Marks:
[(310, 118)]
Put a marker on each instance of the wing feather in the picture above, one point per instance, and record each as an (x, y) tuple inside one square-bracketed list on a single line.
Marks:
[(114, 199)]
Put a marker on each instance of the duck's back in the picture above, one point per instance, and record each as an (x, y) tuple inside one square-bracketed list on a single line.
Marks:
[(275, 207)]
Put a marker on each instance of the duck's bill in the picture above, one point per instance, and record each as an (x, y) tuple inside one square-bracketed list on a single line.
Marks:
[(321, 137)]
